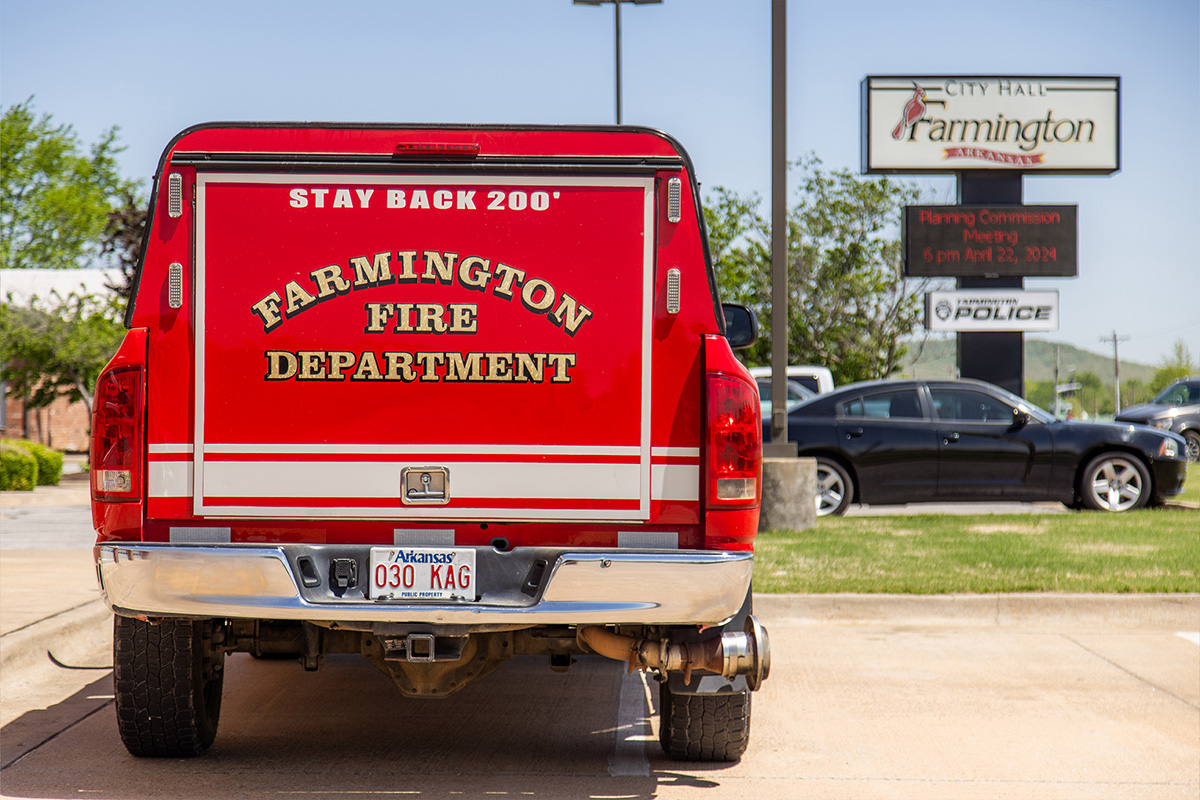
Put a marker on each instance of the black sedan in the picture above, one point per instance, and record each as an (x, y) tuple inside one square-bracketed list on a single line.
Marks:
[(912, 441)]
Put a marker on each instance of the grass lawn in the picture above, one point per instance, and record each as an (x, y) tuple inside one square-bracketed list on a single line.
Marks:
[(1152, 550)]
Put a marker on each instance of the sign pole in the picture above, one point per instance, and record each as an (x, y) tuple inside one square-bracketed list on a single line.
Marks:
[(997, 358)]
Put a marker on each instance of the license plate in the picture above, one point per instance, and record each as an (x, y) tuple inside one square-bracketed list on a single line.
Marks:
[(422, 573)]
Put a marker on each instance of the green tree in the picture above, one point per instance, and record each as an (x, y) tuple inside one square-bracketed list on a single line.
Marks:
[(1041, 394), (54, 197), (1178, 364), (121, 239), (1134, 392), (57, 347), (1094, 396), (849, 305)]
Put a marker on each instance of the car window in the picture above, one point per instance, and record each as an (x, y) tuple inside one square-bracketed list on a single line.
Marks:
[(969, 405), (894, 404), (1183, 393), (796, 393)]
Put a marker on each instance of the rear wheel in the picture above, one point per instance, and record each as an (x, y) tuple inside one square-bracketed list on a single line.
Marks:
[(703, 727), (168, 678), (1114, 482), (835, 490)]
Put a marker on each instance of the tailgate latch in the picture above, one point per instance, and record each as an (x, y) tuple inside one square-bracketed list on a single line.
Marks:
[(425, 486)]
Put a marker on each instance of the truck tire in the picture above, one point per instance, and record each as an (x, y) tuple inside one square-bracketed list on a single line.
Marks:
[(703, 727), (168, 678)]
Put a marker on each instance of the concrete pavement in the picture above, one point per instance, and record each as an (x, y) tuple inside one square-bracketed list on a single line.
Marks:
[(1043, 695), (49, 601)]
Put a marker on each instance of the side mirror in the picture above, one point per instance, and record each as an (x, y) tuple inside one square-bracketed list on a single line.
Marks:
[(741, 326), (1020, 417)]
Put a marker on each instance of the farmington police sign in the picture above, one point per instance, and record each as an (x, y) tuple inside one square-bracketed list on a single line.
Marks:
[(926, 124), (992, 310)]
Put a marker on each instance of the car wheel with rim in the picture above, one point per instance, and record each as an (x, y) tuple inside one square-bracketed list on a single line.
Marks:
[(1114, 482), (1193, 445), (835, 490)]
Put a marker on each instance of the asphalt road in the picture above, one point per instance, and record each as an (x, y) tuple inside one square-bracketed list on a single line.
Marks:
[(1013, 696)]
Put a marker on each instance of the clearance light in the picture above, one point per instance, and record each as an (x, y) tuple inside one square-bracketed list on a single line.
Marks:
[(443, 150), (674, 199), (175, 285), (672, 291), (175, 195)]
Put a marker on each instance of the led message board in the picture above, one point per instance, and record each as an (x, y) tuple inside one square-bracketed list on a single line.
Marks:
[(990, 241)]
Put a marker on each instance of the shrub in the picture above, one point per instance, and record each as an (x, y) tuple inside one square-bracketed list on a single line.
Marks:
[(18, 468), (50, 462)]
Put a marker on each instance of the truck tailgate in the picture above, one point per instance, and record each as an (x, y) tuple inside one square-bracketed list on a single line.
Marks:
[(412, 346)]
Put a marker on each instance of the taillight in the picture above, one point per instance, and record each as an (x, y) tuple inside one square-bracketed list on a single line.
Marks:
[(734, 442), (117, 436)]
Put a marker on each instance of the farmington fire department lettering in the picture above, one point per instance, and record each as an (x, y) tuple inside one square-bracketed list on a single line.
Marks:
[(427, 367), (474, 273)]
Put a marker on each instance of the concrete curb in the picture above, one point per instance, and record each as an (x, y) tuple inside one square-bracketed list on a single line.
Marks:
[(84, 629), (1171, 612)]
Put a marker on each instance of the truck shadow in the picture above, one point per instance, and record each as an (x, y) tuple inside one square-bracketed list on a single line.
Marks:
[(346, 731)]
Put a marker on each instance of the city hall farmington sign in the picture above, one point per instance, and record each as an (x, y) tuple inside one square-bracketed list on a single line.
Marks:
[(1057, 124)]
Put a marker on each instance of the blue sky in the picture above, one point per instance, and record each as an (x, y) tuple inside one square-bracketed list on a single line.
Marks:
[(698, 69)]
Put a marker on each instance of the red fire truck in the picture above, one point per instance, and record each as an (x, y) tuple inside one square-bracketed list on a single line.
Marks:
[(438, 396)]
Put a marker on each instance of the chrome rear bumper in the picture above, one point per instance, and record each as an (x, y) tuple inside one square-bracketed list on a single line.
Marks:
[(593, 587)]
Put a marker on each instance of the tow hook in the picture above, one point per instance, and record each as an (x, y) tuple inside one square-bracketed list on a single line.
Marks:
[(746, 652)]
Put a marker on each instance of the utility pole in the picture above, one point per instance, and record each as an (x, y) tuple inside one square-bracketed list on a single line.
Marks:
[(1116, 340), (1057, 396)]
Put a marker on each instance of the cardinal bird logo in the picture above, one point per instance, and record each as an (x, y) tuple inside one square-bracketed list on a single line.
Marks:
[(914, 109)]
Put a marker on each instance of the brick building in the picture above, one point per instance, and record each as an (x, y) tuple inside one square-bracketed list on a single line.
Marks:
[(62, 426)]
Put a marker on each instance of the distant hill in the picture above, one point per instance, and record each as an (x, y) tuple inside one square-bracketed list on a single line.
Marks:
[(937, 358)]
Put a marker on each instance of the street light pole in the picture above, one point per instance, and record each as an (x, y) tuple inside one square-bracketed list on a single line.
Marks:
[(617, 8), (779, 446)]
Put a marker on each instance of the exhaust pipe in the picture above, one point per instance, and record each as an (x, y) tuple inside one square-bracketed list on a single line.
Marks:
[(731, 654)]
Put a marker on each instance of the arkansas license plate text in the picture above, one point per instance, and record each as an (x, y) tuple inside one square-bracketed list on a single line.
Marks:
[(422, 573)]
